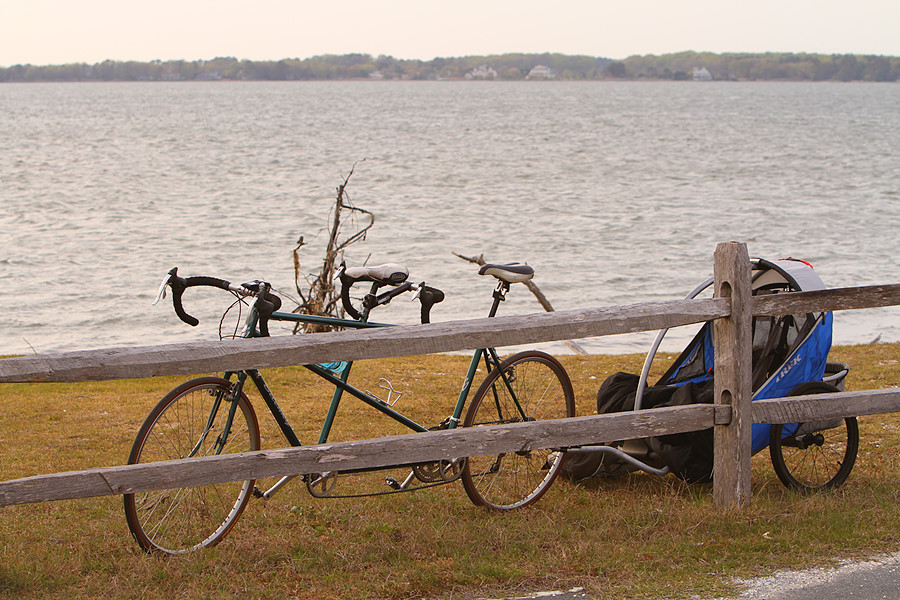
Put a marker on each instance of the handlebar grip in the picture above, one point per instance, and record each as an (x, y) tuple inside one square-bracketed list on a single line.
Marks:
[(346, 283), (266, 304), (178, 285), (393, 293), (265, 308), (179, 309), (210, 281), (429, 296)]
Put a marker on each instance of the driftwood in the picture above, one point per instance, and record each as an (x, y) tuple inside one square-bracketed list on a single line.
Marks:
[(533, 288), (320, 298)]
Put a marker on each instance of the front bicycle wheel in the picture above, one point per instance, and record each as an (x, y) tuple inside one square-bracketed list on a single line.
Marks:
[(191, 421), (527, 386), (816, 457)]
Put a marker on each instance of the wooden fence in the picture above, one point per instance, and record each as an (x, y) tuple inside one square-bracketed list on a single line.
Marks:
[(732, 308)]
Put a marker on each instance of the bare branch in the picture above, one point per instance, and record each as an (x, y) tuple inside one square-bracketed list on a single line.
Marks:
[(320, 296)]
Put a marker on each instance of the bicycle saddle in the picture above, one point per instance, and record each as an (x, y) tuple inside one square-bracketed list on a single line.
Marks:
[(388, 273), (511, 273)]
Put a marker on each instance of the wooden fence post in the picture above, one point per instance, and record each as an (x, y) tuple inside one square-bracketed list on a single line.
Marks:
[(731, 462)]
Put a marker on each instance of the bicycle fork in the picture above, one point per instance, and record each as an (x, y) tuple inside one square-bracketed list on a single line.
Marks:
[(232, 396)]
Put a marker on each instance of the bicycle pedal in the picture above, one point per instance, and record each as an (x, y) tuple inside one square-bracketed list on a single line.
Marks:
[(400, 485)]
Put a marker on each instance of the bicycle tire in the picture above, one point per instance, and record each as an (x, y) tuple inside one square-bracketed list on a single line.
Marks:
[(816, 461), (517, 479), (184, 519)]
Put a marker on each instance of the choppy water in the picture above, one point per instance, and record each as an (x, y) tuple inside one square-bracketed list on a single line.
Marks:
[(615, 192)]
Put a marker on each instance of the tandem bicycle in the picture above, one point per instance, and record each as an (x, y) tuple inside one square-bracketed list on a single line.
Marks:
[(213, 415)]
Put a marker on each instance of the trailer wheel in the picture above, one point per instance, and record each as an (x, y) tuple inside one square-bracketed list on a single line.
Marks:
[(817, 456)]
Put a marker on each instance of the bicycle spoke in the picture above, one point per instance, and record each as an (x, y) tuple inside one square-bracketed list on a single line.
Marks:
[(185, 422), (528, 386)]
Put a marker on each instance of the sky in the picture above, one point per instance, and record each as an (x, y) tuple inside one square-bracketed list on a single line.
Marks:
[(41, 32)]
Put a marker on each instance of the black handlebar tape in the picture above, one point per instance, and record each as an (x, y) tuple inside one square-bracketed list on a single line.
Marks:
[(210, 281), (275, 300), (392, 293), (346, 283), (265, 309), (179, 309), (429, 296), (266, 305), (179, 284)]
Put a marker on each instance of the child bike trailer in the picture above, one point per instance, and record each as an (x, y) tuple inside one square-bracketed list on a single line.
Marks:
[(790, 358)]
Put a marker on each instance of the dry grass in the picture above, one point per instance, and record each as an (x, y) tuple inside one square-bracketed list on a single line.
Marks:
[(635, 537)]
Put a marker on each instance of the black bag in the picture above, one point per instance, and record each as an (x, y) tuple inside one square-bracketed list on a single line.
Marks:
[(688, 455)]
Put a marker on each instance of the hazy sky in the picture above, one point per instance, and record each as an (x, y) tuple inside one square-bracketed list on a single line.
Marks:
[(60, 31)]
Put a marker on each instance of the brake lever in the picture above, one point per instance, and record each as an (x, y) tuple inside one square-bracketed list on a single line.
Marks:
[(419, 289), (162, 288)]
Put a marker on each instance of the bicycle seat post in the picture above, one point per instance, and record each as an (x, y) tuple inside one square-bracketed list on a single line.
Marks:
[(499, 296), (506, 274)]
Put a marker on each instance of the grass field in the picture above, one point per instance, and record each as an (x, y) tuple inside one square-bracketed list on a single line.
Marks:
[(638, 536)]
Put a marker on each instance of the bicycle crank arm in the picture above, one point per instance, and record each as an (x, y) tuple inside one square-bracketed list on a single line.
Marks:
[(397, 485), (271, 491)]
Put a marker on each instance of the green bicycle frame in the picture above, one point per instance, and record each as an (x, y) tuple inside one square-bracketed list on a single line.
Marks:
[(339, 378)]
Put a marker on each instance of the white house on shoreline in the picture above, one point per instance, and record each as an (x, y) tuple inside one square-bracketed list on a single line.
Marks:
[(702, 74), (541, 72), (482, 72)]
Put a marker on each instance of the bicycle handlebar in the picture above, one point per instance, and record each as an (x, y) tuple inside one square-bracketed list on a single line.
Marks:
[(346, 283), (266, 302), (380, 276), (429, 296)]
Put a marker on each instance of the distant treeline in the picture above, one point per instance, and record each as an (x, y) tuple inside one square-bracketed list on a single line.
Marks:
[(768, 66), (680, 66)]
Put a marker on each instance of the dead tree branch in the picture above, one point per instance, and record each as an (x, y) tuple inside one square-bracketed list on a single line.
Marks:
[(320, 296)]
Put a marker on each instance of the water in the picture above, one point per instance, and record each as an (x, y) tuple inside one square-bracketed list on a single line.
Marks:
[(615, 192)]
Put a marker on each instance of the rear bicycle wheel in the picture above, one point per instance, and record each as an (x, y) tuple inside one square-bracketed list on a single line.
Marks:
[(814, 459), (190, 421), (528, 386)]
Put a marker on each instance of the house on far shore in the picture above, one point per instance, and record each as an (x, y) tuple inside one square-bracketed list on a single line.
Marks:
[(482, 72), (541, 72), (702, 74)]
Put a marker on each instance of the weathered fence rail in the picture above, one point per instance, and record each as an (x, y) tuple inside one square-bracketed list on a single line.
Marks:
[(382, 342), (731, 415), (410, 340), (379, 452)]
